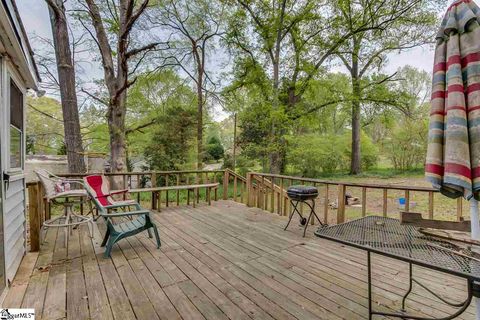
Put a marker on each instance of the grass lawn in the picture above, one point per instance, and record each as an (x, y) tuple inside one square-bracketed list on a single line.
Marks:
[(444, 207)]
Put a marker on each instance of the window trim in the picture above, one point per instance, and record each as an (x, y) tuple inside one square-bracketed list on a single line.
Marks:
[(10, 76)]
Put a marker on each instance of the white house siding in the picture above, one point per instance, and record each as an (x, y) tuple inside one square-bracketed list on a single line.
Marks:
[(16, 62), (14, 195), (14, 226)]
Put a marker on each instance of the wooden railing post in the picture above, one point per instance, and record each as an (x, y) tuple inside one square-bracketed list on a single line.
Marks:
[(153, 180), (226, 176), (459, 209), (341, 203), (385, 204), (280, 198), (364, 201), (249, 190), (407, 201), (272, 199), (430, 205), (235, 188), (325, 205), (34, 215)]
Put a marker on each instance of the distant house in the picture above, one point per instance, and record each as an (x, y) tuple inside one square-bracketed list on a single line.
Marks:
[(17, 74)]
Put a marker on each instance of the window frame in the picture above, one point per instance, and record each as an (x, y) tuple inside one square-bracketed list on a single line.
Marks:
[(11, 77)]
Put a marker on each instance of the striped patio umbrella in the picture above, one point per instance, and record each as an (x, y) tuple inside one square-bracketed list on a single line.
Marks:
[(453, 154)]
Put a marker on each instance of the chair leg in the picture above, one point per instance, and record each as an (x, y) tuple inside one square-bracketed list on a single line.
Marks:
[(109, 247), (43, 234), (159, 243), (105, 239), (149, 233), (90, 228)]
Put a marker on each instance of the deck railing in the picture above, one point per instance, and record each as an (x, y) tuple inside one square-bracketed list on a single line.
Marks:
[(268, 192)]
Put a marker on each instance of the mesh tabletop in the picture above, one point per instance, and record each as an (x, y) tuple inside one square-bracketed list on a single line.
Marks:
[(388, 237)]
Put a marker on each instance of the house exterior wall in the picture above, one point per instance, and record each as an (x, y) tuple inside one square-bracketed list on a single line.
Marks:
[(17, 63), (14, 229)]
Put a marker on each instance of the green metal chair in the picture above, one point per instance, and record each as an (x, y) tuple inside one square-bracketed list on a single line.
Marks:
[(139, 220)]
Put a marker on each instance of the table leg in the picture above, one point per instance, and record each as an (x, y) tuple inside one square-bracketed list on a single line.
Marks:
[(410, 271), (369, 272), (462, 306)]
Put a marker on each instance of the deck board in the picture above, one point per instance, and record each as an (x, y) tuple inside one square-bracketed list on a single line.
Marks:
[(224, 261)]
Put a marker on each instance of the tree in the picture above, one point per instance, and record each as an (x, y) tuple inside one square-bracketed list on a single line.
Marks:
[(168, 150), (153, 99), (66, 80), (404, 24), (234, 102), (280, 47), (193, 28), (112, 32), (45, 133)]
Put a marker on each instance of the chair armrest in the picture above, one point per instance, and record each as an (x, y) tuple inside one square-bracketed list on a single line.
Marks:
[(125, 214), (112, 192), (71, 181), (121, 205)]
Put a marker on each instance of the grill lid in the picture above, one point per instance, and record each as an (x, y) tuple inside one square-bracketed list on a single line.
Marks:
[(302, 190)]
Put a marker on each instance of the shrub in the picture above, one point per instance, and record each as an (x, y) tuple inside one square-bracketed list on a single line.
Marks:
[(406, 147), (214, 149), (368, 151), (313, 154)]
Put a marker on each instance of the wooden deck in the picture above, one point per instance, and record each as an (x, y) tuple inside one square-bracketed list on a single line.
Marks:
[(224, 261)]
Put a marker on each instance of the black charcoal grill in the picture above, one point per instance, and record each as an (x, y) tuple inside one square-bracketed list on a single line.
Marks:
[(306, 195)]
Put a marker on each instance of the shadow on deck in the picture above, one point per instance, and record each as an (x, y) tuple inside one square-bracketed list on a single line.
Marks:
[(224, 261)]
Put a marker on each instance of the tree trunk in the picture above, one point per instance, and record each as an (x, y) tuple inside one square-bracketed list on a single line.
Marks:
[(116, 128), (234, 141), (356, 161), (200, 118), (66, 78), (118, 101), (275, 156)]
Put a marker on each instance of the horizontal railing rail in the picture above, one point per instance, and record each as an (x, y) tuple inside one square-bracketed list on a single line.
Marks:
[(268, 192)]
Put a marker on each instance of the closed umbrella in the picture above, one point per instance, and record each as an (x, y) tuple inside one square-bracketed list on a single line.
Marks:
[(453, 154)]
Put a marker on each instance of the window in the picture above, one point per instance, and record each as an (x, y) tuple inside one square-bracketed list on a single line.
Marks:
[(16, 126)]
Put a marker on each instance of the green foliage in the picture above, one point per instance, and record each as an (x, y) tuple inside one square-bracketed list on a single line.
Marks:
[(407, 146), (255, 124), (62, 151), (30, 145), (312, 154), (302, 113), (169, 147), (44, 125), (214, 149), (159, 118)]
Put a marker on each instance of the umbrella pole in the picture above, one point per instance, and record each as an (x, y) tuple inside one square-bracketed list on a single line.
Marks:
[(474, 220)]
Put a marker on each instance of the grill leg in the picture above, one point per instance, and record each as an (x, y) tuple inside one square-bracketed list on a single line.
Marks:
[(312, 213), (294, 205)]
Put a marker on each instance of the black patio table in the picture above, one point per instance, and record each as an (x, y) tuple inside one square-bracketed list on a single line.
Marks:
[(387, 237)]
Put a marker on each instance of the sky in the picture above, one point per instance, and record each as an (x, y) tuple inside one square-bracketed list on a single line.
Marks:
[(35, 18)]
